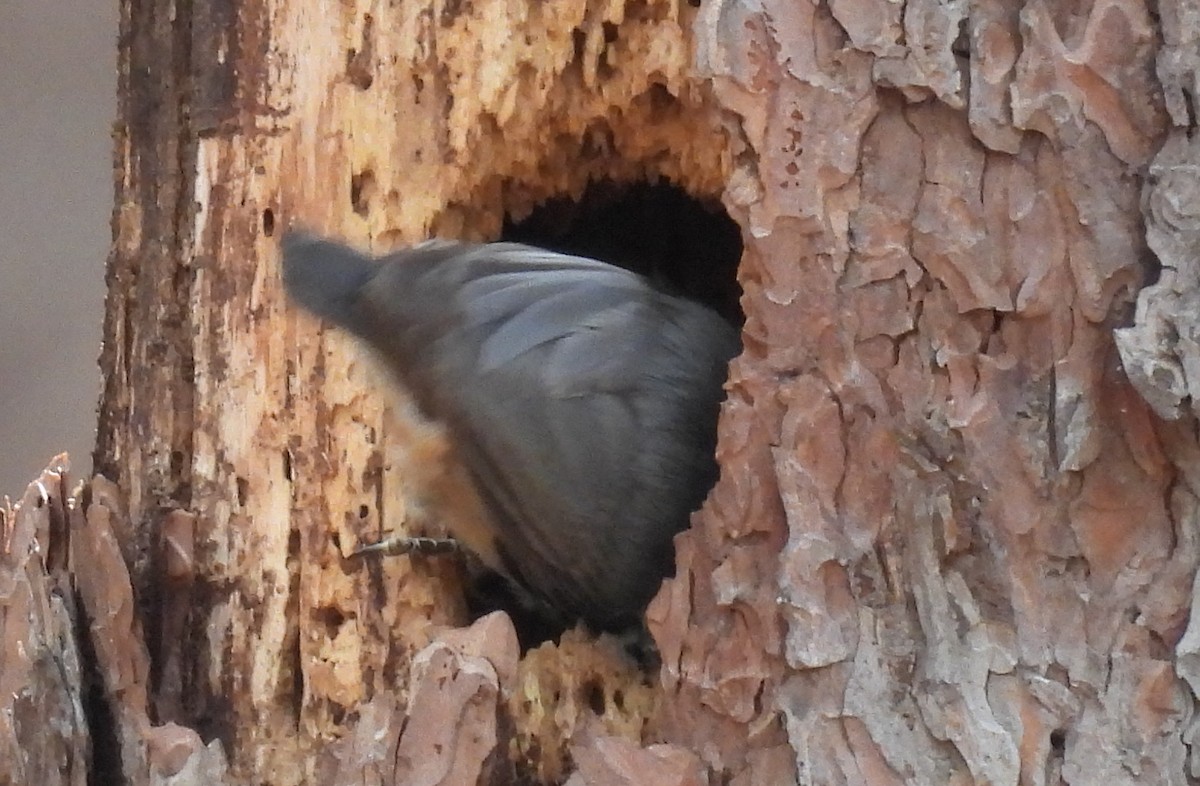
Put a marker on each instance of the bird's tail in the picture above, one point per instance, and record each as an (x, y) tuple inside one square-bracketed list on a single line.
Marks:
[(326, 277)]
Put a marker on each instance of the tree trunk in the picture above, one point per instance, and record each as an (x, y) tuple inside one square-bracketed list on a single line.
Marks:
[(951, 543)]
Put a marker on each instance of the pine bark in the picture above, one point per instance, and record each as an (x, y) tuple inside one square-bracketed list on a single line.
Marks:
[(956, 532)]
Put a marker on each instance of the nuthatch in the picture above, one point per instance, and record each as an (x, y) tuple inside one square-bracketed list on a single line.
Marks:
[(580, 400)]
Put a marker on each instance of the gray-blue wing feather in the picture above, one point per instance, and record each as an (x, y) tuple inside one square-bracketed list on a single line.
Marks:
[(582, 400)]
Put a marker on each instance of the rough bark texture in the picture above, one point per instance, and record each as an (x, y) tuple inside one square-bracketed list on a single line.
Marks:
[(986, 541), (74, 669), (951, 542), (43, 731)]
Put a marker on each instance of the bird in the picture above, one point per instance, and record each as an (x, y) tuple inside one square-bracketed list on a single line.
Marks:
[(580, 398)]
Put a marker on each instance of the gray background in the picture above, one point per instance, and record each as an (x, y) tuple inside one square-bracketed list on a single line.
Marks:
[(57, 104)]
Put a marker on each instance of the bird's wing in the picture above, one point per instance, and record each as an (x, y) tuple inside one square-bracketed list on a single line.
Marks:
[(538, 366)]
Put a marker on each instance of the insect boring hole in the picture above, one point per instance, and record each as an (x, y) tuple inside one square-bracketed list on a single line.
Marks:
[(686, 245)]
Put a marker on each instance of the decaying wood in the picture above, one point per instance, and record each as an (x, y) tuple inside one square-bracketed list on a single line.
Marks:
[(382, 124), (956, 535)]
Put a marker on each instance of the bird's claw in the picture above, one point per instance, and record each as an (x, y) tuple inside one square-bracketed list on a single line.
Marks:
[(403, 544)]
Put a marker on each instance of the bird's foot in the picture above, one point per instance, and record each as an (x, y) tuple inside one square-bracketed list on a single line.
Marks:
[(402, 544)]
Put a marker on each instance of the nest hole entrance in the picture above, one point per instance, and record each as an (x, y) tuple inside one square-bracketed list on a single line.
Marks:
[(684, 244)]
